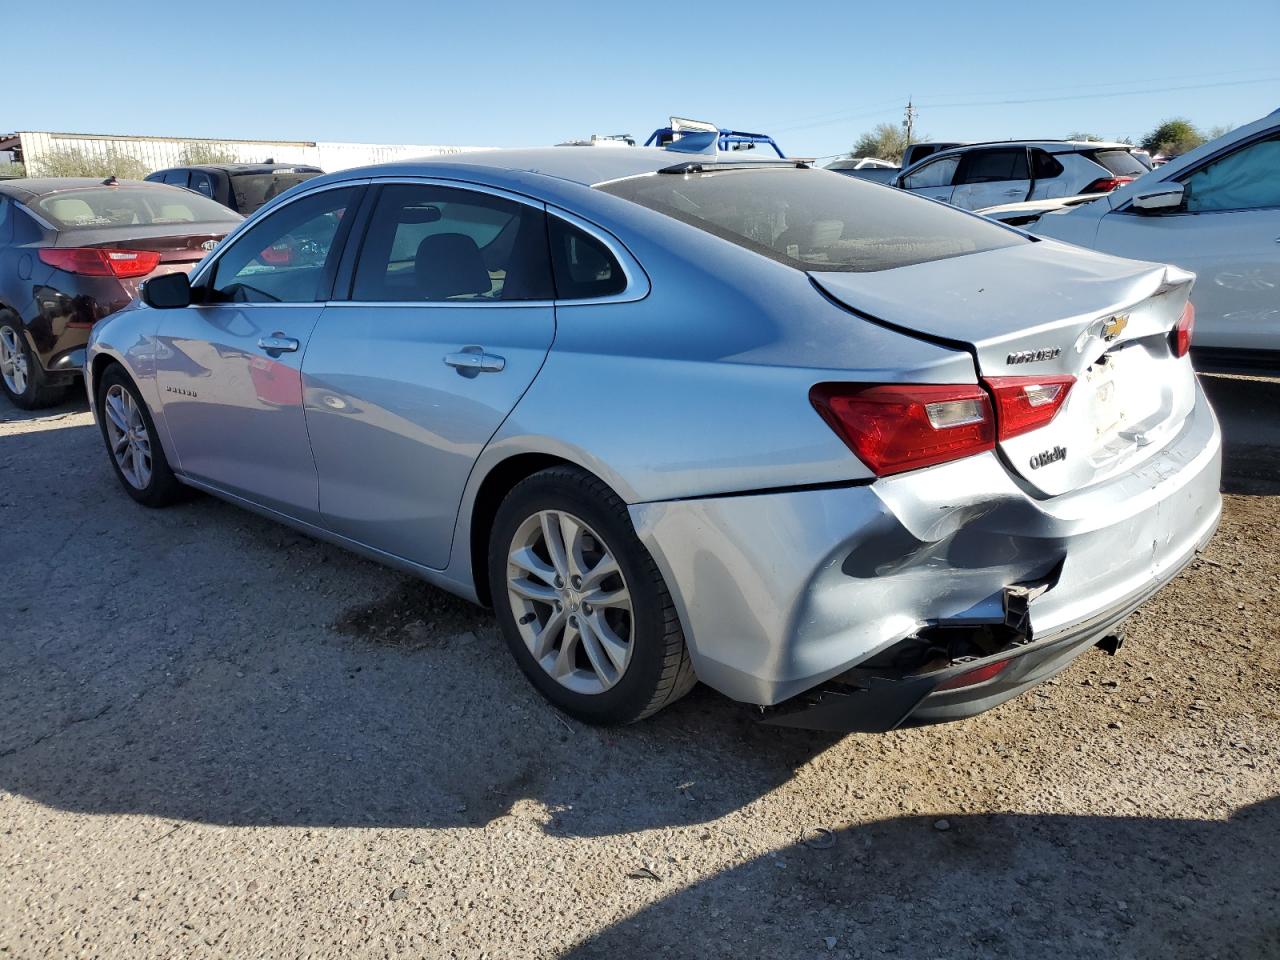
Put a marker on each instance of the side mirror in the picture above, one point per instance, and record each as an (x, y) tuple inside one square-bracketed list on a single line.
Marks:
[(1159, 198), (167, 291)]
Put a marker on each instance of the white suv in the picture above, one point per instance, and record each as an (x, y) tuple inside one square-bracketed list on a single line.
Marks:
[(1216, 211), (980, 175)]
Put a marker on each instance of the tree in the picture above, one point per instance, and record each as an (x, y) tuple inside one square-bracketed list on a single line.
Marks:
[(887, 141), (13, 170), (195, 154), (70, 162), (1173, 137), (1221, 130)]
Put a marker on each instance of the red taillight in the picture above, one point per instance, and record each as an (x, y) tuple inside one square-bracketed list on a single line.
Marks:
[(1183, 331), (904, 427), (1106, 184), (101, 261), (1027, 403), (975, 676)]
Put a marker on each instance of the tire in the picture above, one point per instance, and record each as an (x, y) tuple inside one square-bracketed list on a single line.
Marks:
[(22, 378), (145, 476), (656, 670)]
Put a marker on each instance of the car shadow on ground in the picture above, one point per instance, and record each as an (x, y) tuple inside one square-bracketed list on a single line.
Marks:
[(1001, 885), (202, 664), (1248, 409)]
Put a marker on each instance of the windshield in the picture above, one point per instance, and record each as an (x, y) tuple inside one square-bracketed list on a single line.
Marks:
[(125, 206), (815, 219), (252, 190)]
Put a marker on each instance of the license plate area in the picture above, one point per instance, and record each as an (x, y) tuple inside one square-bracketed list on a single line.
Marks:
[(1106, 407)]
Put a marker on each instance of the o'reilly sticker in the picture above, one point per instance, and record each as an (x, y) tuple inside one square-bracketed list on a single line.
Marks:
[(1048, 457)]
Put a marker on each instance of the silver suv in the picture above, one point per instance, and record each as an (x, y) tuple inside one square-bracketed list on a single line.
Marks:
[(979, 175)]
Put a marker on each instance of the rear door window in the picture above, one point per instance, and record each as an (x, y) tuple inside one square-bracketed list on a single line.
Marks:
[(288, 257), (427, 243), (202, 183), (1044, 165), (177, 178), (993, 166), (815, 219), (584, 267)]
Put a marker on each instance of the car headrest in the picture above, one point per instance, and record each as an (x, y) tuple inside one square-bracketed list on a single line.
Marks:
[(450, 265), (70, 209)]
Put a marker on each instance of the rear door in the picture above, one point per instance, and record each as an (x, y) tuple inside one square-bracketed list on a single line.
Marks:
[(991, 176), (228, 368), (449, 319), (933, 179)]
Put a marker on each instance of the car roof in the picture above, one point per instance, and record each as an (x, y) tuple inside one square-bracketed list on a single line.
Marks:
[(242, 168), (32, 188), (1060, 146), (582, 165)]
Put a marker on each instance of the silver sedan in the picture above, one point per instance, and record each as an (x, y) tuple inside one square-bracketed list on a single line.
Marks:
[(842, 453)]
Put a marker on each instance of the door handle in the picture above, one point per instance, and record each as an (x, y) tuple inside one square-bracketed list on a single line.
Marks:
[(277, 343), (473, 360)]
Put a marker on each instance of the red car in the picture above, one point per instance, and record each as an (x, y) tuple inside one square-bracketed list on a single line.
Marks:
[(72, 251)]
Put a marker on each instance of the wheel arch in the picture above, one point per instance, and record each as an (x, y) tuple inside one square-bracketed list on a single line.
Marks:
[(493, 489)]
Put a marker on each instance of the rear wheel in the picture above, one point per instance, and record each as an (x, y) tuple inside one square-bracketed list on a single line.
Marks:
[(21, 376), (132, 444), (581, 603)]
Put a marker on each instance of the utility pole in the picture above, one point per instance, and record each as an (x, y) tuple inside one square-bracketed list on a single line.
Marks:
[(909, 123)]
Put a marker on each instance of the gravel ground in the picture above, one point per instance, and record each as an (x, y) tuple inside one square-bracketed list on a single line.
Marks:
[(221, 739)]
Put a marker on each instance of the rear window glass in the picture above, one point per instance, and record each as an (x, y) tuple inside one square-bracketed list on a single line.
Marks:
[(252, 190), (1120, 162), (128, 206), (814, 219)]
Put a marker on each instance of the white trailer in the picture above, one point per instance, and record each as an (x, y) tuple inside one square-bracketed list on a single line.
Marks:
[(37, 149)]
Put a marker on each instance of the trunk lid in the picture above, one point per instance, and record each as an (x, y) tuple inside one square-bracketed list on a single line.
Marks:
[(1048, 309), (174, 249)]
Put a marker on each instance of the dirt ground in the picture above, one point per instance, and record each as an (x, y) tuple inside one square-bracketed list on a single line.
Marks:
[(221, 739)]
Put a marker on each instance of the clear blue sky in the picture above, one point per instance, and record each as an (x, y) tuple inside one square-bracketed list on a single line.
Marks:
[(489, 72)]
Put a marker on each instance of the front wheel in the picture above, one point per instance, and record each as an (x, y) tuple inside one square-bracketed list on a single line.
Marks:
[(132, 443), (581, 603)]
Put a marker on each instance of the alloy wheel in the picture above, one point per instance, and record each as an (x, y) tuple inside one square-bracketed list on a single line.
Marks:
[(571, 602), (13, 360), (127, 436)]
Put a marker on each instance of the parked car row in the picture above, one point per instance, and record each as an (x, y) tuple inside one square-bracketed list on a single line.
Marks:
[(72, 251), (849, 456)]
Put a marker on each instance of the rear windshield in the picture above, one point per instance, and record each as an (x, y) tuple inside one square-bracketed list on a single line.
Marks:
[(815, 219), (1121, 163), (128, 206), (252, 190)]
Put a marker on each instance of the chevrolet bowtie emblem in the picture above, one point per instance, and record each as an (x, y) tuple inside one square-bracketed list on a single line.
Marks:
[(1112, 327)]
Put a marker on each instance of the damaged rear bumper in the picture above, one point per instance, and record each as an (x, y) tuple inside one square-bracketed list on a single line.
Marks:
[(799, 601)]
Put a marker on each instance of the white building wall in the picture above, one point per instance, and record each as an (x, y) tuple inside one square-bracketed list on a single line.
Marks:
[(155, 153)]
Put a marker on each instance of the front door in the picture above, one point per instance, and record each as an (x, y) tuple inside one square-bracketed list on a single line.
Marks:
[(229, 368), (933, 178), (449, 319)]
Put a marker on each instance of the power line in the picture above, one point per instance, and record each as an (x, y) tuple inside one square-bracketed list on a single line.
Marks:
[(874, 109), (844, 118)]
